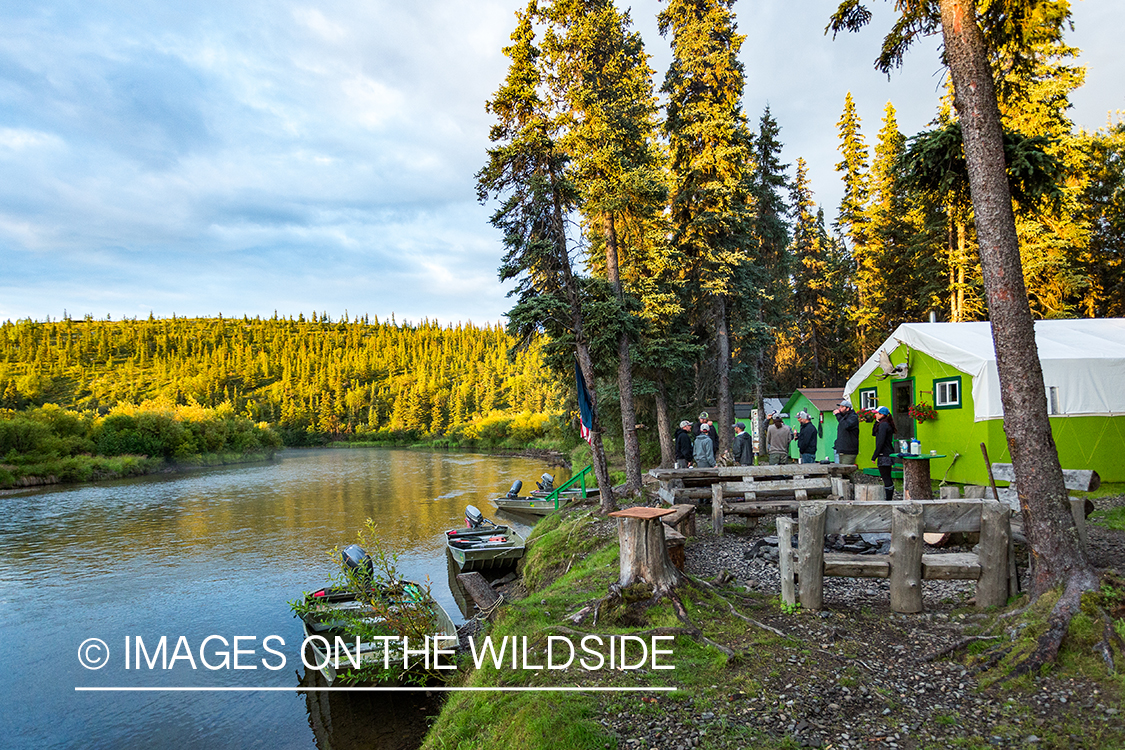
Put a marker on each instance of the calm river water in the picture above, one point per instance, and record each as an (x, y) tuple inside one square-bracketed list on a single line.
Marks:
[(217, 552)]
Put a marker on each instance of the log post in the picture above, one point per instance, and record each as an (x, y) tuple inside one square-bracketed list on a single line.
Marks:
[(916, 479), (644, 555), (906, 558), (975, 491), (870, 493), (995, 538), (810, 554), (843, 489), (717, 508), (785, 559), (950, 493)]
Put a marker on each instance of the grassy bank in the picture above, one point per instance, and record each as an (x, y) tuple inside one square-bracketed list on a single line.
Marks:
[(845, 677), (50, 445)]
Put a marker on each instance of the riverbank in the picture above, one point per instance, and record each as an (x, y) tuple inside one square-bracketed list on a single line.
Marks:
[(854, 675), (81, 469)]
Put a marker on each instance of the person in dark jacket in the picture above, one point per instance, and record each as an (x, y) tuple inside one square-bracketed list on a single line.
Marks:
[(847, 433), (743, 446), (806, 438), (884, 432), (683, 445)]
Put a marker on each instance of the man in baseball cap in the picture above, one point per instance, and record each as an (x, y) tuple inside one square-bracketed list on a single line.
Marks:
[(847, 433), (683, 445)]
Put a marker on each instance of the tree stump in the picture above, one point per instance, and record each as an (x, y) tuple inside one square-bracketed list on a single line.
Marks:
[(644, 553), (916, 479)]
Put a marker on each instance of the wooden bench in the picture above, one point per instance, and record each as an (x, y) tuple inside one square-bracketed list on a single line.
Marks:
[(754, 491), (803, 570), (1076, 480)]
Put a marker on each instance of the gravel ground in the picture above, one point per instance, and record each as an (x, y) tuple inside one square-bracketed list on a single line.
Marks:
[(891, 697)]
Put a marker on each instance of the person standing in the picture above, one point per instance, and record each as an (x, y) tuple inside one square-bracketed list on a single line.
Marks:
[(703, 450), (683, 445), (806, 438), (847, 433), (778, 437), (884, 432), (697, 426), (743, 446)]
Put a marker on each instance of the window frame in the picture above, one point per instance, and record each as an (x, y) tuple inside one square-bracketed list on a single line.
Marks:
[(960, 392), (874, 393)]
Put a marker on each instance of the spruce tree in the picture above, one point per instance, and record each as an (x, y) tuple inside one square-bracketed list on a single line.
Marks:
[(711, 158), (604, 84), (526, 172), (852, 220)]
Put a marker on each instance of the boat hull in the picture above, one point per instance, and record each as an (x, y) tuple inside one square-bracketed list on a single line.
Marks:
[(471, 550)]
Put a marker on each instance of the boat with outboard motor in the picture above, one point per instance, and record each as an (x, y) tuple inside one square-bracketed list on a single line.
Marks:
[(335, 620), (546, 498), (483, 544)]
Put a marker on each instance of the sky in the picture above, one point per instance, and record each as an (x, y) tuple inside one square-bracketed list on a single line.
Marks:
[(244, 157)]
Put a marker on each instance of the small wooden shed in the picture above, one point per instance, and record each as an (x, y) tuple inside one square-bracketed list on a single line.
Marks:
[(819, 403)]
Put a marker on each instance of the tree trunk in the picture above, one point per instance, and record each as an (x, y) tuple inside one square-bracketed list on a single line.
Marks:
[(1049, 527), (663, 426), (632, 446), (722, 370), (582, 351)]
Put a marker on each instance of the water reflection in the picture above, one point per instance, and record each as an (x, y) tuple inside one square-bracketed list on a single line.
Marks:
[(354, 720), (214, 552)]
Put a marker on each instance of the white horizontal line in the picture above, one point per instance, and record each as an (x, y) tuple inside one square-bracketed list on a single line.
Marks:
[(370, 689)]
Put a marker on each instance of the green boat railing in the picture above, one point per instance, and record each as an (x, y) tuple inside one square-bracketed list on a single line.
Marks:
[(580, 478)]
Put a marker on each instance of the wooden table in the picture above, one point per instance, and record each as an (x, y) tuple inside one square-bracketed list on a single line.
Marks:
[(916, 475)]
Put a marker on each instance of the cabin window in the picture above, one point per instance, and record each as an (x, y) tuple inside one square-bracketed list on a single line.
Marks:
[(947, 393), (869, 399)]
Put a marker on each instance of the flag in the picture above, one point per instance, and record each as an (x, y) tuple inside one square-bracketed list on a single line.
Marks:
[(585, 412)]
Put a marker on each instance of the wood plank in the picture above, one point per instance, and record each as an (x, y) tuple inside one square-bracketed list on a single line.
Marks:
[(761, 490), (717, 509), (875, 518), (843, 489), (778, 486), (1079, 480), (758, 509), (843, 565), (869, 493), (785, 470), (645, 514), (951, 566)]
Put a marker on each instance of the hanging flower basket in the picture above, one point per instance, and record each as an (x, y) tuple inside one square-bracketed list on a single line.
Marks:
[(923, 412), (866, 415)]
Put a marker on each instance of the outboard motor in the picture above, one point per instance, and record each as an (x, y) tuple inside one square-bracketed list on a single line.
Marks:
[(473, 517), (515, 491), (547, 483), (356, 558)]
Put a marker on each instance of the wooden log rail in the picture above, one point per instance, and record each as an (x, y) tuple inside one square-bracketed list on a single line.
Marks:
[(763, 490), (802, 574)]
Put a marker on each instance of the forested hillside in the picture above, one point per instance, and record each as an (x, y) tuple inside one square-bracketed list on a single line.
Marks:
[(311, 378)]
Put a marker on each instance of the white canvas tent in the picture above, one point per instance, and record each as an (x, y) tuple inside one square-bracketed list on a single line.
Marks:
[(1083, 360)]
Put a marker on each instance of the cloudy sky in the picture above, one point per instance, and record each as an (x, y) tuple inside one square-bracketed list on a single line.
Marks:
[(242, 157)]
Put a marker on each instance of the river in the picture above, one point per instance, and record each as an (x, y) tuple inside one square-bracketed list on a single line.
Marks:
[(212, 553)]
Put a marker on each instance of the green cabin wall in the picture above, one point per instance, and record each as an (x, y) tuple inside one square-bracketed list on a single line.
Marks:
[(826, 437), (1083, 442)]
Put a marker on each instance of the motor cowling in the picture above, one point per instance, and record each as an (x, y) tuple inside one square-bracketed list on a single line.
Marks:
[(546, 483), (515, 491), (473, 517), (356, 558)]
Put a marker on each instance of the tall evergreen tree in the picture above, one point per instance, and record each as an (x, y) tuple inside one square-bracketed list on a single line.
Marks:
[(711, 156), (526, 170), (603, 79), (852, 219)]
